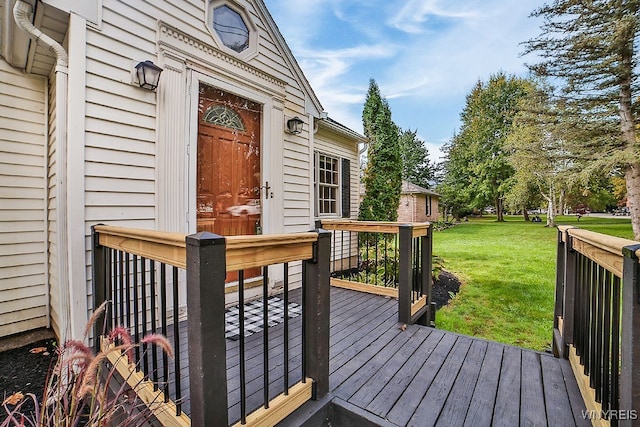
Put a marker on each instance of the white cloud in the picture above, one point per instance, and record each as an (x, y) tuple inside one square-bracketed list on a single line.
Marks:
[(450, 62), (326, 67), (415, 13)]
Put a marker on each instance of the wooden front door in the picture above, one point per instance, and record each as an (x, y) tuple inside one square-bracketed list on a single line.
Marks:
[(228, 171)]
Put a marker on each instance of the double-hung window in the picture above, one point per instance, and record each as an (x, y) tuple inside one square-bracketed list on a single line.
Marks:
[(328, 184), (332, 183)]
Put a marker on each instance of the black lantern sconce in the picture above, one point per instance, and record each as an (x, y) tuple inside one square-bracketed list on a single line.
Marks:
[(148, 75), (294, 125)]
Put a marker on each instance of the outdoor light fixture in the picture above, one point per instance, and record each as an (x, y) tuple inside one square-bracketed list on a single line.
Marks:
[(294, 125), (148, 75)]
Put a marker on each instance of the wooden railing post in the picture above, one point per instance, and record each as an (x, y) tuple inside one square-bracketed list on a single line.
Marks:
[(316, 295), (405, 278), (429, 319), (558, 342), (99, 281), (570, 268), (630, 343), (206, 269)]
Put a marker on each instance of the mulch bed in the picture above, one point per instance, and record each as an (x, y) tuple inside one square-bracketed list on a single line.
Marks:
[(444, 288), (24, 370)]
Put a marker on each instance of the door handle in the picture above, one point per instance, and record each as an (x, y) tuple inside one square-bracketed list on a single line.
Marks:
[(267, 193)]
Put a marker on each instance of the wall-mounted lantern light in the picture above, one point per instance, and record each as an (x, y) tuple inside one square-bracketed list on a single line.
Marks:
[(148, 75), (294, 125)]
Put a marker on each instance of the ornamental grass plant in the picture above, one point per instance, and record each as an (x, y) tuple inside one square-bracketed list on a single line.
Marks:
[(84, 389)]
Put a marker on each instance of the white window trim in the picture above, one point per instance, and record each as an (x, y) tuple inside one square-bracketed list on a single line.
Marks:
[(246, 54), (316, 186)]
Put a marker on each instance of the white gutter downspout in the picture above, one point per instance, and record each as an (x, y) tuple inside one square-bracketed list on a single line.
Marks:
[(7, 36), (22, 12)]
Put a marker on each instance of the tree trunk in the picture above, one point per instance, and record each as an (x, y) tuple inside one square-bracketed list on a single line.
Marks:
[(525, 214), (561, 203), (632, 179), (628, 127), (551, 211), (499, 210)]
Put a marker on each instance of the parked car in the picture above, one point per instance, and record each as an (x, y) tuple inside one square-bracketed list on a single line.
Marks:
[(624, 211)]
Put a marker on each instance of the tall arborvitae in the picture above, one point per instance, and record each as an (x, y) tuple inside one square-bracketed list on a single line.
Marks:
[(590, 48), (383, 173)]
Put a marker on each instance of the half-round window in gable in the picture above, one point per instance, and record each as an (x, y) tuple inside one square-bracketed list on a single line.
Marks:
[(224, 116)]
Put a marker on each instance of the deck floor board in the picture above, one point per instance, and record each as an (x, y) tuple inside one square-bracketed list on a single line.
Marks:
[(455, 408), (411, 375)]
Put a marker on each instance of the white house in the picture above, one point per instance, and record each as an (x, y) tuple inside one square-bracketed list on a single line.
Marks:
[(82, 143)]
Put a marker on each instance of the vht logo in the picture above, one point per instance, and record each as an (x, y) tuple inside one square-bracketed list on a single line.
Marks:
[(611, 414)]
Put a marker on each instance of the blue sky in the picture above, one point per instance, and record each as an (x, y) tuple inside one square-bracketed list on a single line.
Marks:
[(425, 55)]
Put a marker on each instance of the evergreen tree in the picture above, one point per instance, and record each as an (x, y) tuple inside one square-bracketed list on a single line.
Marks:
[(589, 46), (383, 173), (416, 167)]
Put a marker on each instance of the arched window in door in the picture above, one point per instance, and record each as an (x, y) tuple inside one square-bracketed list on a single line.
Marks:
[(224, 116)]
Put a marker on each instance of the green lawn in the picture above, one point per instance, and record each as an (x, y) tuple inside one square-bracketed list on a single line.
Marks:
[(508, 275)]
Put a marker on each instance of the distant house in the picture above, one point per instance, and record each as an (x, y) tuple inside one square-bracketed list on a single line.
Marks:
[(417, 204), (226, 143)]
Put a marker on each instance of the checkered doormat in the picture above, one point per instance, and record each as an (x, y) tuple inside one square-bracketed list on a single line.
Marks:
[(253, 316)]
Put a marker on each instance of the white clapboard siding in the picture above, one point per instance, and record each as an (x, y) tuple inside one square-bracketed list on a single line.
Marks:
[(23, 288)]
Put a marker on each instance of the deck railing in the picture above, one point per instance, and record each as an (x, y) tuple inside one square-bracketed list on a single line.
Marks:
[(388, 258), (146, 275), (139, 272), (597, 321)]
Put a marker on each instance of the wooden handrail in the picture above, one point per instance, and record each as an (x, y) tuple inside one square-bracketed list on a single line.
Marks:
[(243, 252), (420, 228), (605, 242), (603, 249), (165, 247)]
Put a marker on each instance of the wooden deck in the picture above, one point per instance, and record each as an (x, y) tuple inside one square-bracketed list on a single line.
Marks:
[(416, 375)]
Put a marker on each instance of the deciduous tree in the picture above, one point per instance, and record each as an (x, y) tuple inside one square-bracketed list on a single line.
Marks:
[(538, 153), (477, 158)]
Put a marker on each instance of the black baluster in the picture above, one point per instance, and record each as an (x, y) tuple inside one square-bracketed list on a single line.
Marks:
[(286, 328), (152, 295), (265, 319), (243, 380), (136, 325), (143, 279), (163, 320), (176, 334)]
